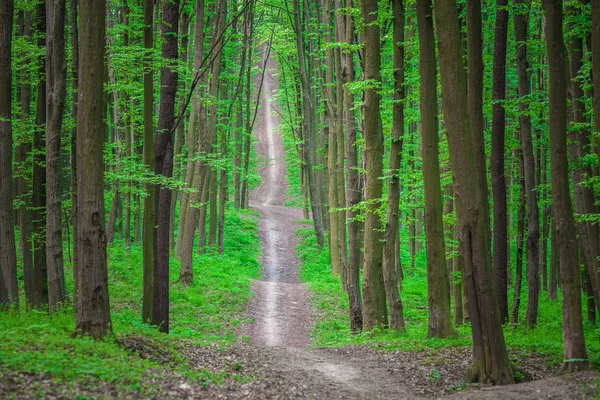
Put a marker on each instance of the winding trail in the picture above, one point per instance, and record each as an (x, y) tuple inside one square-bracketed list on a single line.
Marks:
[(281, 318), (280, 311)]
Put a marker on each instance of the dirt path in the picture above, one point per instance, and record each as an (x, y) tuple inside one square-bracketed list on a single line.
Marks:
[(279, 331)]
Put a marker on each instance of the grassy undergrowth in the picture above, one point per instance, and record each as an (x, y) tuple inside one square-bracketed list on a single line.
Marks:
[(332, 327), (207, 312)]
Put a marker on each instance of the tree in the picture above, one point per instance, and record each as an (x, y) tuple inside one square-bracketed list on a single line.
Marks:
[(500, 261), (438, 286), (374, 305), (390, 271), (56, 83), (521, 20), (310, 126), (353, 193), (92, 311), (573, 340), (9, 293), (163, 163), (490, 361), (149, 238)]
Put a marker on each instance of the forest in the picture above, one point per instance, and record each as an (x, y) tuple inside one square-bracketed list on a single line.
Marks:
[(299, 198)]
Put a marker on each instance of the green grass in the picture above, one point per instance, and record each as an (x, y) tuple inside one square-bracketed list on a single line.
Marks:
[(207, 312), (332, 327)]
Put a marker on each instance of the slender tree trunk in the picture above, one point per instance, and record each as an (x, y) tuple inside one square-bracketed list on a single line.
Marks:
[(437, 273), (575, 355), (9, 291), (353, 194), (553, 284), (38, 199), (374, 302), (149, 238), (23, 173), (309, 122), (390, 273), (490, 361), (93, 314), (163, 164), (514, 315), (475, 97), (521, 21), (500, 261)]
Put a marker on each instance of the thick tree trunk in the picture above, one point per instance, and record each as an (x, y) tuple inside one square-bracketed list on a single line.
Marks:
[(149, 238), (374, 301), (55, 106), (9, 291), (437, 273), (490, 362), (93, 314), (575, 355), (500, 261)]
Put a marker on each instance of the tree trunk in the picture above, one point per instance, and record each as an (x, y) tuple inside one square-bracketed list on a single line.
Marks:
[(475, 97), (93, 314), (595, 50), (579, 144), (573, 340), (514, 315), (309, 122), (490, 362), (163, 164), (374, 301), (437, 273), (149, 238), (521, 21), (23, 172), (39, 292), (353, 194), (9, 291), (553, 284), (500, 261), (390, 236)]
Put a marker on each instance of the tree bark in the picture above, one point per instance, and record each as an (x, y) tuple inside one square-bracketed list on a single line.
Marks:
[(514, 316), (39, 292), (9, 291), (521, 21), (575, 355), (500, 261), (491, 362), (163, 163), (148, 234), (353, 194), (390, 236), (93, 314), (438, 287)]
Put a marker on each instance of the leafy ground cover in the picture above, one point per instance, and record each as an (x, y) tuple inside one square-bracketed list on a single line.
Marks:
[(33, 343)]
